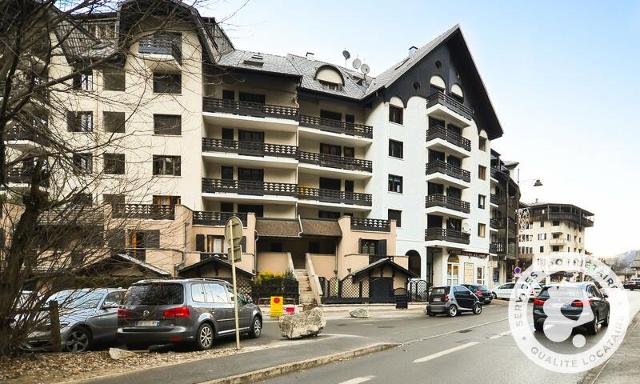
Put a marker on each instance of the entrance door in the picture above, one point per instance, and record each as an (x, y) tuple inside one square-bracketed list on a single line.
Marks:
[(381, 289)]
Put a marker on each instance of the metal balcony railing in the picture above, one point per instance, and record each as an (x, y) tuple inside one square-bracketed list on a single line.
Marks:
[(337, 126), (248, 108), (333, 161), (161, 46), (381, 225), (440, 132), (446, 234), (451, 103), (439, 200), (247, 187), (334, 196), (249, 148), (216, 218), (439, 166), (144, 211)]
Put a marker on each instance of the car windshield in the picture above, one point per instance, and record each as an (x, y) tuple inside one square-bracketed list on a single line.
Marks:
[(74, 299), (155, 294)]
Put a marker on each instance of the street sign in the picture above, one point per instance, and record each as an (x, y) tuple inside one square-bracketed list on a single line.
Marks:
[(517, 270), (232, 238), (276, 307)]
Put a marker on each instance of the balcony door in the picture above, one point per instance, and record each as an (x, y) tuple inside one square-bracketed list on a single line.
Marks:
[(227, 137), (436, 156), (252, 97), (454, 224), (454, 161), (328, 149), (249, 142), (258, 210), (332, 184), (435, 189), (251, 179), (454, 192), (226, 174), (434, 221)]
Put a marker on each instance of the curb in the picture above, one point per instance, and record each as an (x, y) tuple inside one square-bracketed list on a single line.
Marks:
[(270, 372)]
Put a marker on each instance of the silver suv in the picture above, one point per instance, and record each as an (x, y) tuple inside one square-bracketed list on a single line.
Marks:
[(192, 311), (453, 299)]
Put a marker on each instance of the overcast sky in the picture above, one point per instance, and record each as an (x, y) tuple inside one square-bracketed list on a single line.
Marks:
[(563, 77)]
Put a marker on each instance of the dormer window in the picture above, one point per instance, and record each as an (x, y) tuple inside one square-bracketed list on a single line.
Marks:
[(330, 78), (331, 86), (256, 60), (456, 92), (437, 84)]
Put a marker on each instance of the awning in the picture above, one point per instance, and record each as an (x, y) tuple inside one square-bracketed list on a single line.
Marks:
[(364, 272), (278, 228), (320, 227)]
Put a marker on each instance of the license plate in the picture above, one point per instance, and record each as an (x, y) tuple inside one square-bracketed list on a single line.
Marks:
[(148, 323), (436, 299)]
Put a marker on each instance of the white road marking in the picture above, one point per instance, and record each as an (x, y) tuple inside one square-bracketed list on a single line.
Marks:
[(499, 335), (445, 352), (451, 332), (358, 380)]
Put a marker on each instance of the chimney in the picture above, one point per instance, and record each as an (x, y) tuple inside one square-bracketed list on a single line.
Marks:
[(412, 50), (310, 56)]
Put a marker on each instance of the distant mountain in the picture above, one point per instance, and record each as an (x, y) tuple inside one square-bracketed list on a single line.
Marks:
[(624, 260)]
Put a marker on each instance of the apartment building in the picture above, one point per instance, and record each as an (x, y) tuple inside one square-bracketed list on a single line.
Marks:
[(553, 227), (388, 177)]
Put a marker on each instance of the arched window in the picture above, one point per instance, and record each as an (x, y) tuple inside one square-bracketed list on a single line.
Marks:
[(437, 84), (456, 92), (330, 78), (414, 261)]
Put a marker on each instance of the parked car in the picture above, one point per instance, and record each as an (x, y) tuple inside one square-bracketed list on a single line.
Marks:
[(87, 317), (573, 298), (504, 291), (482, 291), (633, 283), (194, 311), (451, 300)]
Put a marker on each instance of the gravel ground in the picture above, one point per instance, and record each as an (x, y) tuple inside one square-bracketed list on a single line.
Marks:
[(62, 367)]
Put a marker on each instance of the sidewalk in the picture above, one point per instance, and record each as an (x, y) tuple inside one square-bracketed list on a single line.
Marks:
[(623, 367)]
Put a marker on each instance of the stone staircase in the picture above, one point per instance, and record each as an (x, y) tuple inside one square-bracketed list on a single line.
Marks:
[(307, 298)]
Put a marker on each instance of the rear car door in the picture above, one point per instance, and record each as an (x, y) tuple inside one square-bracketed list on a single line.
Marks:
[(244, 310), (223, 308), (105, 323), (463, 296)]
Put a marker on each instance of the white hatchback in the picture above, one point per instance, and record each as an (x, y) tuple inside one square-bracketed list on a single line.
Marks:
[(504, 291)]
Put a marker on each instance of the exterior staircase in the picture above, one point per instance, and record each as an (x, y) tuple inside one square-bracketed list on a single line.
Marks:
[(307, 298)]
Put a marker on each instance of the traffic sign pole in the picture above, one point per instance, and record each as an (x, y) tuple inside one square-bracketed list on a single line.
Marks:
[(235, 295), (233, 238)]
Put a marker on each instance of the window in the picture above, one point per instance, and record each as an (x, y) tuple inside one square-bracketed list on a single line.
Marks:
[(482, 144), (82, 163), (83, 81), (167, 124), (166, 200), (395, 114), (113, 298), (218, 293), (330, 86), (482, 172), (541, 249), (82, 199), (482, 230), (555, 223), (395, 149), (482, 201), (541, 223), (113, 80), (542, 236), (394, 214), (113, 199), (555, 248), (166, 165), (167, 82), (480, 275), (328, 215), (79, 121), (395, 183), (568, 237), (113, 122), (453, 270), (372, 247), (198, 293), (114, 163)]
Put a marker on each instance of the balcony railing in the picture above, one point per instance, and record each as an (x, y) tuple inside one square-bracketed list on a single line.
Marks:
[(144, 211), (496, 248), (334, 196), (217, 218), (568, 216), (248, 108), (451, 103), (249, 148), (158, 46), (336, 126), (248, 187), (333, 161), (20, 133), (439, 166), (381, 225), (24, 176), (439, 200), (497, 222), (496, 199), (440, 132), (446, 234)]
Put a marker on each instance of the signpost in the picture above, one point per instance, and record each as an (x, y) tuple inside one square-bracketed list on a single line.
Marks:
[(233, 238), (276, 308)]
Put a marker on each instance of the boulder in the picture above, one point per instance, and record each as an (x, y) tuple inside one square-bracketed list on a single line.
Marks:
[(359, 313), (307, 323), (120, 354)]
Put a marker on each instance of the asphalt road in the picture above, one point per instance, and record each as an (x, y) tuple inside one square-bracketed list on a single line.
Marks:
[(465, 349)]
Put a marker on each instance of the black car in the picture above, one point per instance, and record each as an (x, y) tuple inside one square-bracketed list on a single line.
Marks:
[(571, 299), (195, 311), (452, 300), (482, 291), (632, 284)]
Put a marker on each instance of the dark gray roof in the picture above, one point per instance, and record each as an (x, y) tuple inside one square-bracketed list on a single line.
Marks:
[(270, 63), (278, 227), (354, 87)]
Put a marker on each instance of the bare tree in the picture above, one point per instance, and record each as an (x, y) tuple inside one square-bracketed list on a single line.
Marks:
[(52, 231)]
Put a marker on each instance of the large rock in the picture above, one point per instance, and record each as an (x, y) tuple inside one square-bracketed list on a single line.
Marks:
[(359, 313), (307, 323), (120, 354)]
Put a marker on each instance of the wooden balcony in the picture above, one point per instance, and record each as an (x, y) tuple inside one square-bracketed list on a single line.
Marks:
[(143, 211), (497, 222), (451, 103), (450, 202), (162, 47), (445, 234), (217, 218), (337, 126), (246, 108), (333, 161), (249, 148), (439, 166), (334, 196), (380, 225), (496, 199), (25, 176), (248, 187), (440, 132)]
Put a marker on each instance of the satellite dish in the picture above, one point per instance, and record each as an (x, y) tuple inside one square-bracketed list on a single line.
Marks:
[(346, 54), (356, 63), (365, 69)]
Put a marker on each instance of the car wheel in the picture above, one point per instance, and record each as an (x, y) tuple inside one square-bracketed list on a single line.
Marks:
[(78, 340), (477, 309), (538, 325), (495, 297), (453, 310), (431, 314), (204, 337), (594, 326), (256, 327)]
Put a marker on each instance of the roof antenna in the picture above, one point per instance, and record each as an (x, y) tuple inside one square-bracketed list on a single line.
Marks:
[(346, 55)]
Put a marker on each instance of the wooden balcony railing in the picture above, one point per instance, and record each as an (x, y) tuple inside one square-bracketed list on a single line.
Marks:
[(247, 108), (440, 132), (334, 196), (24, 176), (497, 222), (217, 218), (439, 166), (439, 200), (381, 225), (247, 187), (496, 199), (157, 46), (337, 126), (249, 148), (445, 234), (451, 103), (144, 211), (333, 161), (20, 133), (563, 216)]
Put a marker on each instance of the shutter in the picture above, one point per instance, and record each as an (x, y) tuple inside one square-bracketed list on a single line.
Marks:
[(382, 248), (200, 243), (116, 239), (243, 244), (152, 239), (360, 250)]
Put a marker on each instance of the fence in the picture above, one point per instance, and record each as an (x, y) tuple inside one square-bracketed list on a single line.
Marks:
[(287, 287), (345, 291), (417, 290)]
